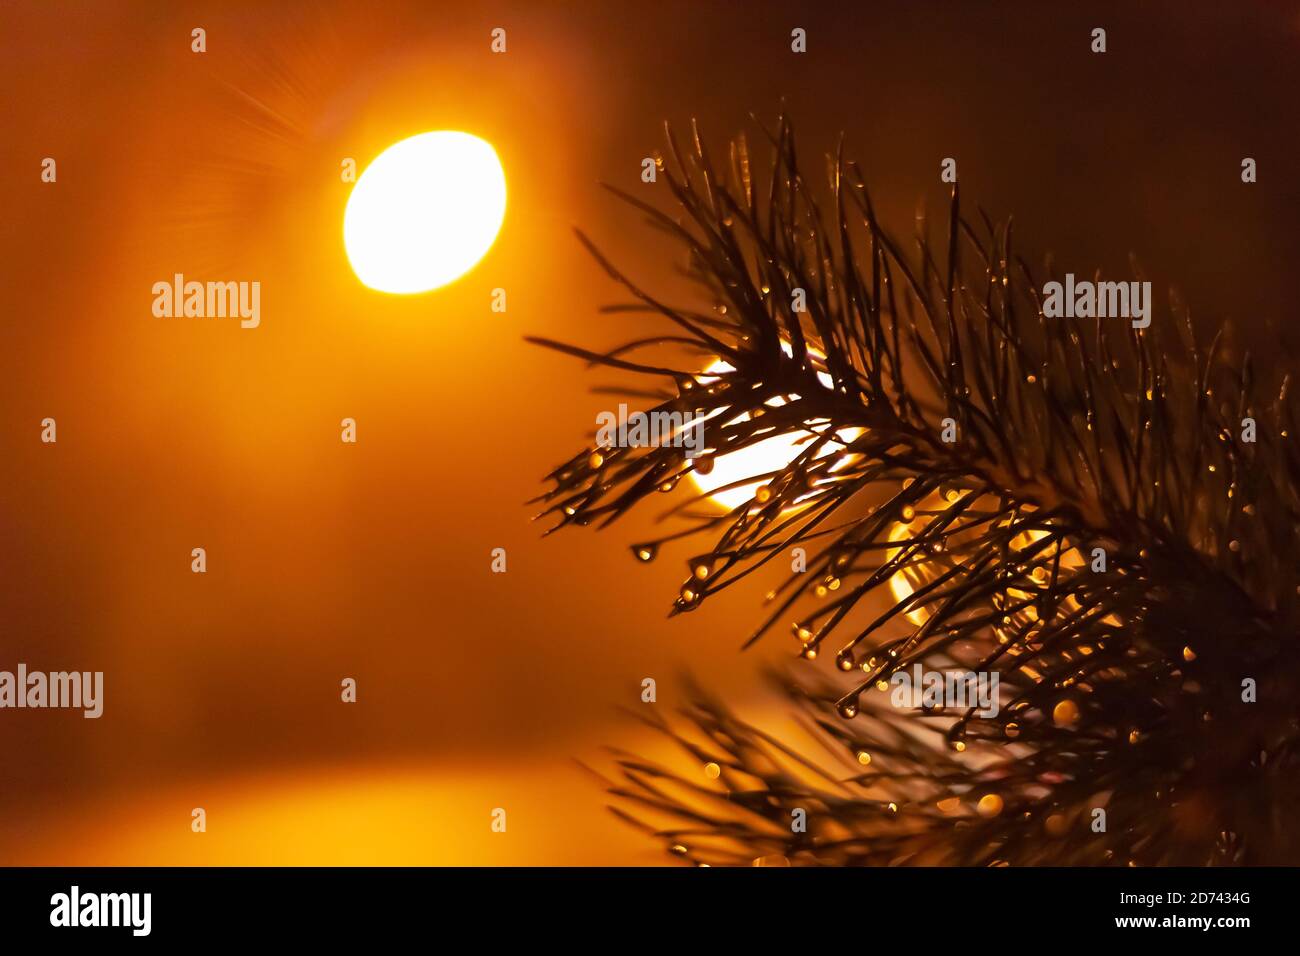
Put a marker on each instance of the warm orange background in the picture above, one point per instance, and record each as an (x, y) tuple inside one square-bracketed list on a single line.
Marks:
[(372, 561)]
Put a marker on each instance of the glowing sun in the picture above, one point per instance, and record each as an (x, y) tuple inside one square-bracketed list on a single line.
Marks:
[(763, 457), (424, 212)]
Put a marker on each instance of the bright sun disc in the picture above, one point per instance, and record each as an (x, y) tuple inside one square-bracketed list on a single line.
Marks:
[(424, 212), (765, 456)]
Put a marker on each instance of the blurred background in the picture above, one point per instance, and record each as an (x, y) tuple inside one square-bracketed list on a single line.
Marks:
[(326, 560)]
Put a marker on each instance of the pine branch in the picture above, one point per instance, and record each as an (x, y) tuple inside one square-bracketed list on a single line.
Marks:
[(1102, 534)]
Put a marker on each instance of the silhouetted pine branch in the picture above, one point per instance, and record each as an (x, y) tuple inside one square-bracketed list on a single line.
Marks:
[(1122, 688)]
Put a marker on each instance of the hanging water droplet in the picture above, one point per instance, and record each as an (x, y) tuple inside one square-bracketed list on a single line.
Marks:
[(645, 552), (990, 805), (847, 709), (1012, 730), (844, 660), (907, 514), (1065, 713), (864, 758), (763, 495), (596, 460)]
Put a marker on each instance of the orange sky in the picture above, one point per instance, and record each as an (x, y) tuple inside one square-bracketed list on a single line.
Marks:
[(372, 561)]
